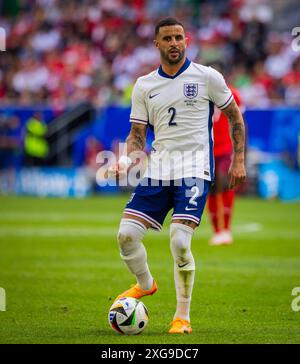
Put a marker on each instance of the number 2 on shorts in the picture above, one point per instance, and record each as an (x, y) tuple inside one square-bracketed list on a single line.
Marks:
[(196, 193)]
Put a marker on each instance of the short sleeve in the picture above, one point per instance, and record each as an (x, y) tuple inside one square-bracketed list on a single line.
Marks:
[(218, 91), (139, 113)]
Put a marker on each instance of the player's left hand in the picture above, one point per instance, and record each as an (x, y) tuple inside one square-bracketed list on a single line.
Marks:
[(237, 173)]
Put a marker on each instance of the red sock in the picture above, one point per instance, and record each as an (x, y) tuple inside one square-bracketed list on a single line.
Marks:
[(213, 211), (228, 201)]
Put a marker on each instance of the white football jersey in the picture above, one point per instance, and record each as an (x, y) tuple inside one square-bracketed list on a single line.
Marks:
[(179, 108)]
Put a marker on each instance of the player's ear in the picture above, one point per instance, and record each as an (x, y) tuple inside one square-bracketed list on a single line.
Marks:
[(155, 42)]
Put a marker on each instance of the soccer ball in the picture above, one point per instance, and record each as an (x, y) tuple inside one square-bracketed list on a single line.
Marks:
[(128, 316)]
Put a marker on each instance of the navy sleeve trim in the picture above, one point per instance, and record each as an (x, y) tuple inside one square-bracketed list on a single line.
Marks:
[(139, 121), (226, 103)]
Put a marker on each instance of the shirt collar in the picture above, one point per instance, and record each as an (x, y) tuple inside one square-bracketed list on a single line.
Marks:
[(182, 69)]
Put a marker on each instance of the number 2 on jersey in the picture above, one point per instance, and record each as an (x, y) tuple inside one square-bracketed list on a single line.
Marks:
[(172, 111)]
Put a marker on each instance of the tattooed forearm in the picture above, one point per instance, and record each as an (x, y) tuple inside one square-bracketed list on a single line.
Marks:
[(237, 171), (238, 132), (237, 128), (137, 138)]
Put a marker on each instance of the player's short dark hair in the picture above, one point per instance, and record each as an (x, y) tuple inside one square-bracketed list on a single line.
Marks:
[(165, 23)]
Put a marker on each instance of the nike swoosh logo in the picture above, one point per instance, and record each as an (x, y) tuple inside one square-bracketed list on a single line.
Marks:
[(151, 96), (191, 208), (182, 265)]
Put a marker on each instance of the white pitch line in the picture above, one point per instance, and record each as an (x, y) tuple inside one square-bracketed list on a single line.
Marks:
[(57, 231), (87, 231), (58, 216), (248, 228)]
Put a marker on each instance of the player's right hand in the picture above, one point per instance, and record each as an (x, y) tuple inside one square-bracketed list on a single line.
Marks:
[(119, 169), (116, 171)]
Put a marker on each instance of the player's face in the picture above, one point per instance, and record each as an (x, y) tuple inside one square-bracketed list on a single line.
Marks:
[(171, 43)]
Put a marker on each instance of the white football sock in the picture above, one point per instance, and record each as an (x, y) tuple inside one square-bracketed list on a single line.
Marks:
[(184, 267), (133, 252)]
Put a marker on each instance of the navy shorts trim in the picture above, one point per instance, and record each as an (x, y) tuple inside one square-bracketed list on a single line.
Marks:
[(155, 224), (186, 217)]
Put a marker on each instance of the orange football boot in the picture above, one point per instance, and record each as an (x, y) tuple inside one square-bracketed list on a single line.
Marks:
[(137, 292), (180, 326)]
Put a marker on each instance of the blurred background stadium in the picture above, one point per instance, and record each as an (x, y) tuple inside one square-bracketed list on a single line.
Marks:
[(69, 66), (66, 76)]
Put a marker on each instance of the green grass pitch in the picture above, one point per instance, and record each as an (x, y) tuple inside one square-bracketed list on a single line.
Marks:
[(61, 269)]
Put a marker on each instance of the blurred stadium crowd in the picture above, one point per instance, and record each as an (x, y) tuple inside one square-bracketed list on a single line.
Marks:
[(61, 52)]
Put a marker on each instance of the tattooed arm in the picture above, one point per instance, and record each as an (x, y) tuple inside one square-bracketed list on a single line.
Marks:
[(237, 171), (135, 141)]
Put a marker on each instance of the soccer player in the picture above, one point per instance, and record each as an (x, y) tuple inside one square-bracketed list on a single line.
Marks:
[(221, 196), (176, 100)]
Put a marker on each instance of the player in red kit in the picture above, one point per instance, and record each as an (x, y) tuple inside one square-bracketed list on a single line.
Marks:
[(221, 197)]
